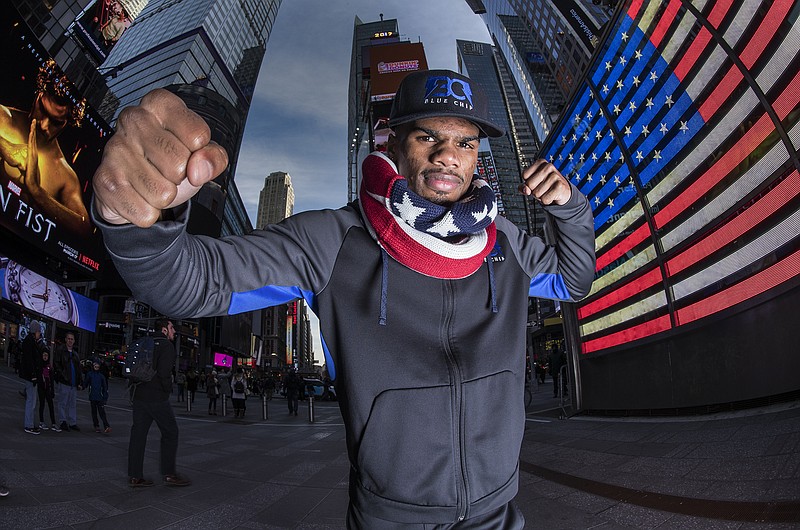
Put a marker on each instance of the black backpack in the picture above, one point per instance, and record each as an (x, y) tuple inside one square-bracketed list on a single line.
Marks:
[(238, 387), (139, 365)]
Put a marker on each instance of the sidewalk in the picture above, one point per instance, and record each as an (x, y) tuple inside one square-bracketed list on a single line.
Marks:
[(288, 473)]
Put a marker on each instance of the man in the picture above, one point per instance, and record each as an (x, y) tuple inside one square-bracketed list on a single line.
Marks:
[(32, 157), (151, 403), (67, 364), (421, 290), (30, 364), (293, 387), (557, 361)]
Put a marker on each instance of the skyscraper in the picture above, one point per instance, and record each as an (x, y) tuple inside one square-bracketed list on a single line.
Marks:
[(208, 42), (502, 164), (276, 201), (547, 45), (360, 137)]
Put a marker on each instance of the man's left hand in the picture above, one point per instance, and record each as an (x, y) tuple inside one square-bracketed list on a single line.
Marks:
[(545, 183)]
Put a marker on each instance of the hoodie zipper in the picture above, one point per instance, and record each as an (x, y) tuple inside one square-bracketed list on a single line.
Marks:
[(457, 396)]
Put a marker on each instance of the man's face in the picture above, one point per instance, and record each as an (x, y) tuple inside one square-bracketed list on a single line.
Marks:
[(51, 116), (437, 156), (169, 331), (70, 341)]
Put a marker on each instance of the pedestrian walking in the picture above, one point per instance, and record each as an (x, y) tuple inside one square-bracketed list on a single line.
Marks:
[(45, 386), (30, 366), (180, 380), (239, 393), (213, 392), (97, 384), (150, 404), (293, 386), (67, 364), (191, 384)]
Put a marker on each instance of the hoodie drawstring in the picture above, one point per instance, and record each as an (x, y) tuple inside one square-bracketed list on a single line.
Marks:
[(384, 286), (489, 262)]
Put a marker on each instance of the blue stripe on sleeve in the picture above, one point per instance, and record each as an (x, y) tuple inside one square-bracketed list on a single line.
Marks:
[(549, 286), (267, 296)]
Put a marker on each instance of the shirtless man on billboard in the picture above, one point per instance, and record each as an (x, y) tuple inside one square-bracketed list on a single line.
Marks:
[(48, 188)]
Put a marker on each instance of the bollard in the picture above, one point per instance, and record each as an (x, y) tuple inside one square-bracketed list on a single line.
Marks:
[(264, 407), (311, 408), (224, 405), (188, 403)]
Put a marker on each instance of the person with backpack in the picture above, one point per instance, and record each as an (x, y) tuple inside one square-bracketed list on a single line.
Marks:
[(212, 391), (239, 394), (95, 380), (150, 402)]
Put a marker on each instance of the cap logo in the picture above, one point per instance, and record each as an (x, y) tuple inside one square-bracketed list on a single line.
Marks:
[(439, 88)]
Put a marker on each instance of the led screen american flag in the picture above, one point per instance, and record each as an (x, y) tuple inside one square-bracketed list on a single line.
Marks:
[(684, 137)]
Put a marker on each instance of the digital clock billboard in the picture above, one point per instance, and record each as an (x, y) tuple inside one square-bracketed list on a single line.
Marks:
[(51, 142), (36, 293)]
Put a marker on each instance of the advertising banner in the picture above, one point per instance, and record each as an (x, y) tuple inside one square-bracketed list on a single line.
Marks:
[(36, 293), (390, 63), (583, 26), (51, 143), (102, 25)]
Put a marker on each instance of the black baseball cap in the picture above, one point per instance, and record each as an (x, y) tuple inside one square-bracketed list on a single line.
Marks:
[(434, 93)]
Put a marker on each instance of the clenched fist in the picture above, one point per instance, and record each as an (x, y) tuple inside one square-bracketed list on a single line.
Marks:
[(545, 183), (159, 157)]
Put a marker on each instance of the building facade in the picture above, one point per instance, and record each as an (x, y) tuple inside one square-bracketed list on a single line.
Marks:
[(276, 200), (547, 46), (113, 52), (285, 338), (365, 35)]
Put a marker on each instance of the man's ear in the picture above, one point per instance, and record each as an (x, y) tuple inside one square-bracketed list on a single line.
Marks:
[(391, 147)]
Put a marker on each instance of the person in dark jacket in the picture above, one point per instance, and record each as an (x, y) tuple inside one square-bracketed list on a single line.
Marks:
[(30, 364), (191, 383), (151, 404), (239, 393), (45, 385), (420, 286), (97, 383), (293, 386), (557, 361), (67, 364), (212, 392)]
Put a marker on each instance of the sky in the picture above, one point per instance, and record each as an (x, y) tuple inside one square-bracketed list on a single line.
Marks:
[(298, 120)]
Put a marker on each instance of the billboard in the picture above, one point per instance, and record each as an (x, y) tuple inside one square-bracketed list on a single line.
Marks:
[(223, 360), (36, 293), (102, 25), (390, 63), (689, 159), (51, 142), (583, 25)]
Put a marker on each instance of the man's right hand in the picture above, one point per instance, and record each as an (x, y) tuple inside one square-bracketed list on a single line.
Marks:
[(159, 158)]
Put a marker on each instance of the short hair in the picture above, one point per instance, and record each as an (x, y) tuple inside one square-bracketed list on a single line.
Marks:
[(162, 323), (68, 333)]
